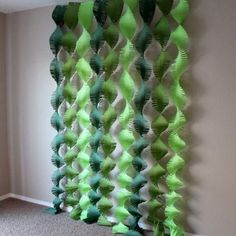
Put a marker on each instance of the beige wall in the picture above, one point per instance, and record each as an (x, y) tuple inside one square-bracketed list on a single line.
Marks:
[(4, 163), (210, 194), (211, 185)]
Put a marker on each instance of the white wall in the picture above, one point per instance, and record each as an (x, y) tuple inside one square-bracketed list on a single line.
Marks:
[(29, 89), (211, 83), (4, 163)]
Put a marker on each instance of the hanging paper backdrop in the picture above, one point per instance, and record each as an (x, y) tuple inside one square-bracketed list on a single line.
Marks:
[(119, 113)]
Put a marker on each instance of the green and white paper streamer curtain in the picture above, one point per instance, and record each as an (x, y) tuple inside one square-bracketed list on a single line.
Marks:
[(101, 55)]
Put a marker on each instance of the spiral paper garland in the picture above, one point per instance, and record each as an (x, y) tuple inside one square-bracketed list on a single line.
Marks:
[(84, 73), (56, 101), (111, 37), (179, 38), (85, 114), (96, 157), (160, 101), (128, 27), (69, 93), (141, 125)]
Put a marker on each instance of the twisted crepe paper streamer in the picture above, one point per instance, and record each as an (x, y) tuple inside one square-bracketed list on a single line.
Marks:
[(111, 37), (179, 38), (160, 101), (96, 157), (70, 136), (127, 27), (143, 39), (71, 18), (84, 72), (56, 101), (69, 92)]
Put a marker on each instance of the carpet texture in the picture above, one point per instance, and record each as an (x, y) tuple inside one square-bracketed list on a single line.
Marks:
[(18, 218)]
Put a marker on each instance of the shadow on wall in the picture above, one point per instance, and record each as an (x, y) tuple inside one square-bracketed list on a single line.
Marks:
[(195, 28)]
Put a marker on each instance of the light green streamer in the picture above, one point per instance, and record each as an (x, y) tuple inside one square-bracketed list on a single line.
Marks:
[(127, 27), (84, 72), (180, 39)]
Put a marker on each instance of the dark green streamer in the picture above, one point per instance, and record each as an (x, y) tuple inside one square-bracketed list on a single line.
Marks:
[(96, 157), (71, 19), (143, 39), (56, 101)]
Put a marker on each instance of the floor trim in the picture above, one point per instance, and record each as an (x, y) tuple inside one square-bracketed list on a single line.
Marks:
[(26, 199), (6, 196), (48, 204)]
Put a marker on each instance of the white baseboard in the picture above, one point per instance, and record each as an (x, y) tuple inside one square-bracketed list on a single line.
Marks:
[(48, 204), (6, 196), (187, 234), (26, 199)]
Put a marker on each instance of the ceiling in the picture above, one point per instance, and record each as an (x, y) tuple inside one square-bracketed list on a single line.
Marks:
[(8, 6)]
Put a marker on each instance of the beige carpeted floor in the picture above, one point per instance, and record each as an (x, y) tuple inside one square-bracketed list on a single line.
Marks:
[(18, 218)]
